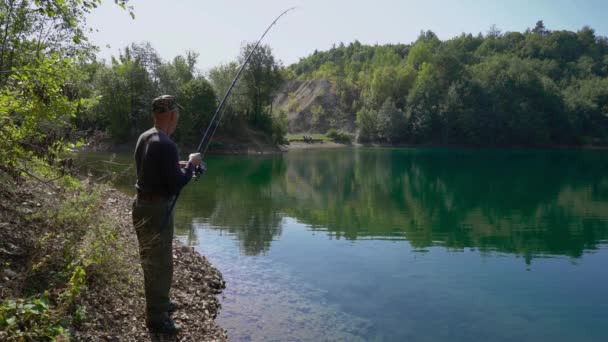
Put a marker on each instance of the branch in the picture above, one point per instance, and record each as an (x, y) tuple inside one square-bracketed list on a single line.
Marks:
[(101, 161), (48, 182)]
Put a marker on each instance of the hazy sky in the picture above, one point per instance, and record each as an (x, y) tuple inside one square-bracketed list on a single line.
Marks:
[(216, 29)]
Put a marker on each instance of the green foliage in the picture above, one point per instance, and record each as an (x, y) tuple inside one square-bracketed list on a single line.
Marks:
[(44, 65), (539, 87), (120, 94), (391, 82), (123, 92), (199, 101), (261, 79), (587, 103), (41, 47), (339, 136), (292, 103), (423, 102), (35, 112), (391, 122), (420, 53), (250, 102), (30, 320), (221, 77), (367, 121), (318, 114), (81, 248), (279, 129)]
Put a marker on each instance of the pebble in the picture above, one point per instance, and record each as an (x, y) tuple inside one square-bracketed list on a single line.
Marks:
[(10, 273)]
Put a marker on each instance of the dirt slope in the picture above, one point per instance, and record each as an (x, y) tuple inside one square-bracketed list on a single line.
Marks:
[(310, 106)]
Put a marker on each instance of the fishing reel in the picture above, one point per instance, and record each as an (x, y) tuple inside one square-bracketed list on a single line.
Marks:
[(199, 170)]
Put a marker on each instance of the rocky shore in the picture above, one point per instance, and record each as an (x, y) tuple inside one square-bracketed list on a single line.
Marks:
[(41, 246), (196, 284)]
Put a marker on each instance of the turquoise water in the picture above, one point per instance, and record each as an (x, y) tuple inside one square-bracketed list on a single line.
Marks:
[(406, 244)]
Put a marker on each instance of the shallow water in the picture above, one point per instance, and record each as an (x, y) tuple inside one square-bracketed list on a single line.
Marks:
[(405, 244)]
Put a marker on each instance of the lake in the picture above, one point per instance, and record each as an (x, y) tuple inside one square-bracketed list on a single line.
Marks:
[(358, 244)]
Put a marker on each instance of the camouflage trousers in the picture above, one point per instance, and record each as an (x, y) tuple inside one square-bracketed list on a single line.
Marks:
[(156, 253)]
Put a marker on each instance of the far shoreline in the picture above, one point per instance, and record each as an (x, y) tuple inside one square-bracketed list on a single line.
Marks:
[(257, 148)]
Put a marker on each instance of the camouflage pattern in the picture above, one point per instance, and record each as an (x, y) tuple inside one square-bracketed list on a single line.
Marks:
[(165, 104)]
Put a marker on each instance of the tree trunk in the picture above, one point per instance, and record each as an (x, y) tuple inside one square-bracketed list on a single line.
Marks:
[(3, 48)]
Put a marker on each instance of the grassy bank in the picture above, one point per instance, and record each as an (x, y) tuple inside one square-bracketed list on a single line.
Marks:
[(70, 267)]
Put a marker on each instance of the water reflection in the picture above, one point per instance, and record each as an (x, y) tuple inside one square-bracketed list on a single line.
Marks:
[(317, 218), (531, 203), (237, 197), (527, 203)]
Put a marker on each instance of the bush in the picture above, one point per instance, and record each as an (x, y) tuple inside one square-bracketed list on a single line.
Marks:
[(339, 136), (29, 320), (76, 246), (279, 129)]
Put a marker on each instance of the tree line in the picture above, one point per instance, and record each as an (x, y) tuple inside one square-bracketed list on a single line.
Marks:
[(51, 84), (121, 93), (535, 88)]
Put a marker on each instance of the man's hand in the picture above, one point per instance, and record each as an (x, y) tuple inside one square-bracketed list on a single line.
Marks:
[(195, 159)]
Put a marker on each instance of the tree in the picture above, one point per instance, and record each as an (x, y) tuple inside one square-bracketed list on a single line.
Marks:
[(587, 103), (533, 88), (199, 101), (391, 122), (262, 78), (424, 105), (367, 121), (540, 29), (391, 82), (422, 51), (125, 91), (41, 44), (221, 77)]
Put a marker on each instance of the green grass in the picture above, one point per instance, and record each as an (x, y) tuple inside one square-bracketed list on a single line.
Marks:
[(300, 136)]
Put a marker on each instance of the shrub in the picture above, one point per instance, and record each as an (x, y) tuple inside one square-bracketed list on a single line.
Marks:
[(339, 136)]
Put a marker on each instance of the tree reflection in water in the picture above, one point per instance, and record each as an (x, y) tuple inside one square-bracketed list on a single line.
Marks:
[(531, 203)]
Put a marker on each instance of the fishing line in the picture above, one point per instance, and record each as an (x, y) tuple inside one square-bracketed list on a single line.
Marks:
[(219, 112), (219, 109)]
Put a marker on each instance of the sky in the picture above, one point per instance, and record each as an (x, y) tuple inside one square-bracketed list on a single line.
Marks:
[(216, 29)]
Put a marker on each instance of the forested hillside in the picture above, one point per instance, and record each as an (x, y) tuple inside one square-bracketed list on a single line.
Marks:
[(539, 87)]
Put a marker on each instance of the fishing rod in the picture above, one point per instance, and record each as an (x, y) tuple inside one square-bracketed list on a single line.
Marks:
[(219, 113)]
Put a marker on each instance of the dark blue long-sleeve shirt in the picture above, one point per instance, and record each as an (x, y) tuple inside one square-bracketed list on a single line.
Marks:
[(157, 162)]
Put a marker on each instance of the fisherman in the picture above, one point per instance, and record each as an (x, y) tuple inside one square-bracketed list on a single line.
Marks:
[(160, 177)]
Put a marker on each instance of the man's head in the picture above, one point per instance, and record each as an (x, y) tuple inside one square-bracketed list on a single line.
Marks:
[(166, 112)]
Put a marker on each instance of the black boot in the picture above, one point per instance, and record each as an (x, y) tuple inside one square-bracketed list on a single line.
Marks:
[(172, 307), (167, 327)]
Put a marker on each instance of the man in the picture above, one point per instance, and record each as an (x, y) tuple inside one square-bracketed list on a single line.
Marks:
[(160, 176)]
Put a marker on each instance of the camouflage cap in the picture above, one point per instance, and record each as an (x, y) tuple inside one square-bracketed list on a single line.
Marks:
[(164, 104)]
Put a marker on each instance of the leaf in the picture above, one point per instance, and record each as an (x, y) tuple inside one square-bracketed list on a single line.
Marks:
[(11, 321), (132, 15)]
